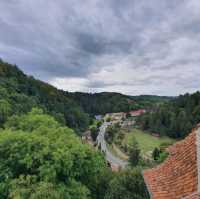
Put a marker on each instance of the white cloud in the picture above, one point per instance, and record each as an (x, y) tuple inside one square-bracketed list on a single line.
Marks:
[(129, 46), (70, 84)]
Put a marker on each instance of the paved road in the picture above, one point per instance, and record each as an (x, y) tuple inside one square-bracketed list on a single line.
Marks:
[(109, 156)]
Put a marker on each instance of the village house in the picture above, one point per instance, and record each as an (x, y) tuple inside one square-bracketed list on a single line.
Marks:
[(116, 116), (137, 112), (179, 176), (98, 117)]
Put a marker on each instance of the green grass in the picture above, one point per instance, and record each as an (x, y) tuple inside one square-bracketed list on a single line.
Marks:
[(146, 141), (116, 151)]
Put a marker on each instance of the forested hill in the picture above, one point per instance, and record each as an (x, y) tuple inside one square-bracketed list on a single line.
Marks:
[(110, 102), (19, 93), (42, 158), (101, 103), (175, 118)]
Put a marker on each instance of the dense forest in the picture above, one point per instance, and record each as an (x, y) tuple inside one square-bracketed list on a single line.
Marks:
[(41, 155), (40, 158), (149, 101), (175, 118), (19, 93), (101, 103)]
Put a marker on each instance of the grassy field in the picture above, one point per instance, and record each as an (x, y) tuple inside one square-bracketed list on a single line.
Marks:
[(146, 141)]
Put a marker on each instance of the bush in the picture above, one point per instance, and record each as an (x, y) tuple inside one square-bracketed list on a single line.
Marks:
[(108, 119), (156, 154), (127, 184), (94, 132), (41, 159)]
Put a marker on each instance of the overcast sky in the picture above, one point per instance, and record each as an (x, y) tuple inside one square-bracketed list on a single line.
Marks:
[(129, 46)]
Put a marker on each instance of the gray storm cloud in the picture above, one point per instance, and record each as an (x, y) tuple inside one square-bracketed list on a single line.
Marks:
[(129, 46)]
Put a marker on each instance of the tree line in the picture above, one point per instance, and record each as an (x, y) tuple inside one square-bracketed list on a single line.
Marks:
[(175, 118), (105, 102)]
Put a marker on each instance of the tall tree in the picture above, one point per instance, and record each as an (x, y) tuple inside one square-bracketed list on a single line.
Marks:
[(134, 152)]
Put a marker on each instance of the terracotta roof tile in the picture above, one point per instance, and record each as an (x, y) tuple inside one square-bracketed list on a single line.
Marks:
[(177, 177)]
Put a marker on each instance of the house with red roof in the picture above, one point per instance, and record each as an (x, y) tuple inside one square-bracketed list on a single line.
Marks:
[(179, 176), (137, 112)]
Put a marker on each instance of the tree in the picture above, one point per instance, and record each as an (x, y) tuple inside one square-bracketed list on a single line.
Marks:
[(108, 119), (37, 154), (24, 92), (173, 118), (127, 184), (5, 111), (156, 154), (99, 123), (32, 121), (134, 152), (196, 114), (101, 187), (111, 132), (94, 132)]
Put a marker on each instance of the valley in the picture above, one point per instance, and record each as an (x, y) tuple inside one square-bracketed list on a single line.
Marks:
[(99, 99), (116, 152), (85, 146)]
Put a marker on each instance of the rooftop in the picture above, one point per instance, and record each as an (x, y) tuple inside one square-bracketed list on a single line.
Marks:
[(177, 177)]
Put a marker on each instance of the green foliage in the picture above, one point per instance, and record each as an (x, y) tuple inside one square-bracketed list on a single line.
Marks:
[(127, 185), (23, 93), (94, 132), (163, 155), (102, 103), (156, 154), (134, 152), (99, 123), (31, 121), (175, 118), (108, 119), (160, 154), (94, 129), (41, 159), (28, 188), (101, 187), (148, 101), (146, 141), (111, 132), (5, 110)]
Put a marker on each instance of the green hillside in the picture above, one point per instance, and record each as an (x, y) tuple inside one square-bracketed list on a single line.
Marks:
[(175, 118), (20, 93)]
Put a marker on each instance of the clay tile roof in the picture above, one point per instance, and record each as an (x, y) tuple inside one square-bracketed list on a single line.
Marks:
[(177, 177)]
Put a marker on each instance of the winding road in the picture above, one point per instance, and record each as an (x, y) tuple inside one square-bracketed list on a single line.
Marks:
[(112, 159)]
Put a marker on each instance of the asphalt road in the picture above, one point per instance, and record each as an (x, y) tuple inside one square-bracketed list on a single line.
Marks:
[(111, 158)]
